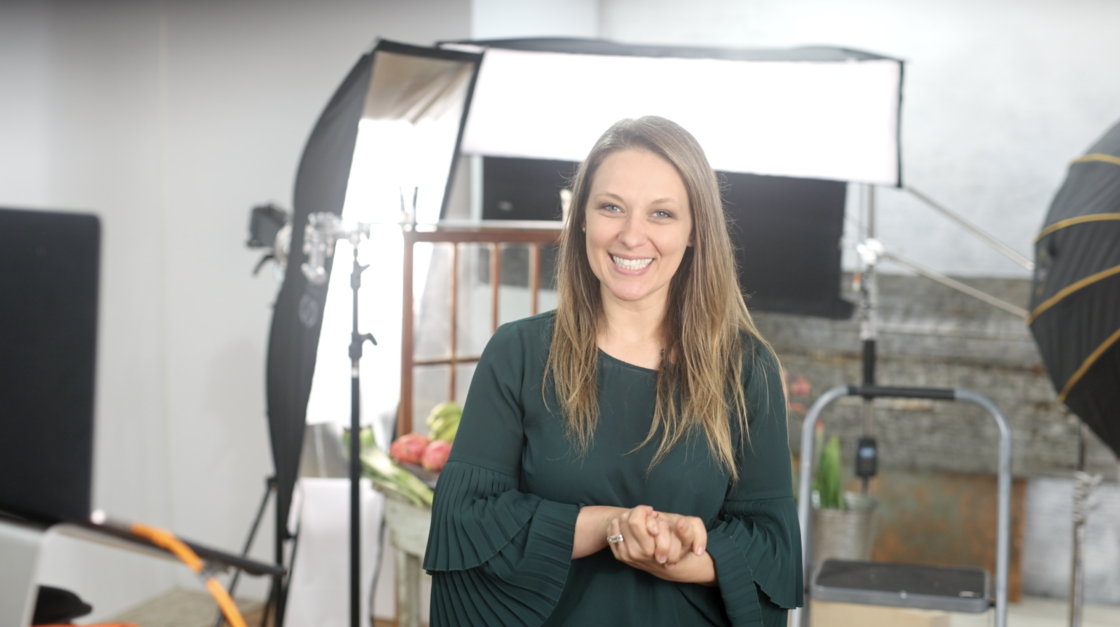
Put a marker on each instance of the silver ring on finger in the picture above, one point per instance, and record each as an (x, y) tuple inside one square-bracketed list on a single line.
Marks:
[(615, 539)]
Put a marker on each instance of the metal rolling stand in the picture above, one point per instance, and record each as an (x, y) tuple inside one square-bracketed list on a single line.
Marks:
[(899, 585)]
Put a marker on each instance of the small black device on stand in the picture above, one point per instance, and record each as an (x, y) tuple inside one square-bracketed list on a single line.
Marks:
[(870, 251), (867, 450)]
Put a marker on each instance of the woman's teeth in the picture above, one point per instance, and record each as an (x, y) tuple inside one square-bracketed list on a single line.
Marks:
[(631, 264)]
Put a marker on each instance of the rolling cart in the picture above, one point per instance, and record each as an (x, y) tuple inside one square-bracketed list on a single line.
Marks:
[(905, 585)]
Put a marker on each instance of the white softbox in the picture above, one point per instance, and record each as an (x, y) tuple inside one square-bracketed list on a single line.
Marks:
[(823, 113)]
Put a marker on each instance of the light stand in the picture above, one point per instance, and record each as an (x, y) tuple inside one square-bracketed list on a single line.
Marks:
[(323, 229), (356, 341), (1083, 487), (871, 252)]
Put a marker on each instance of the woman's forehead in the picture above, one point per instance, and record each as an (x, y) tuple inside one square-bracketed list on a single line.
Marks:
[(635, 170)]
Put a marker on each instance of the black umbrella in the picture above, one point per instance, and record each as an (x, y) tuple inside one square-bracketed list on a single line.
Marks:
[(1075, 296)]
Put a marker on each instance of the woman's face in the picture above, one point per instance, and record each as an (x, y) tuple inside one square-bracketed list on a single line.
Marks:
[(638, 225)]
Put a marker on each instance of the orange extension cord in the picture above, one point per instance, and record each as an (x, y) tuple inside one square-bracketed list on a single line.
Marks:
[(167, 540)]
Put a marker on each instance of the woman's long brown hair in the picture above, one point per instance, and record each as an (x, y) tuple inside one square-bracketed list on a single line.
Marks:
[(704, 324)]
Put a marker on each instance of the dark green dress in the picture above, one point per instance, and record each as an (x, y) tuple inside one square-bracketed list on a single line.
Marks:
[(503, 522)]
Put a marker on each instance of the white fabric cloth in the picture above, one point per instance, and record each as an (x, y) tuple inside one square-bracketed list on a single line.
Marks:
[(319, 592)]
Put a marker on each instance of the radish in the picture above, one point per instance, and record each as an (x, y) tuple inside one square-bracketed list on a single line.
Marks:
[(409, 448), (435, 456)]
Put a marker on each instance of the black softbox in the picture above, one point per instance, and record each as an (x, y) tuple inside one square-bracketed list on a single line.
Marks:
[(394, 82)]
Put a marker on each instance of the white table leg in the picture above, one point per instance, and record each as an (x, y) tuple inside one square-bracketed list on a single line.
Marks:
[(408, 589), (19, 563)]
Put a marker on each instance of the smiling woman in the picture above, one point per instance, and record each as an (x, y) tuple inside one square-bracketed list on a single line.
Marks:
[(638, 226), (605, 471)]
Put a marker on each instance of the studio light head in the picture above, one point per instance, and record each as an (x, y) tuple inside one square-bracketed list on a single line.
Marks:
[(265, 221), (269, 228)]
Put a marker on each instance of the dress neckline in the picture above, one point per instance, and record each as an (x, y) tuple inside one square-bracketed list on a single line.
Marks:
[(626, 364)]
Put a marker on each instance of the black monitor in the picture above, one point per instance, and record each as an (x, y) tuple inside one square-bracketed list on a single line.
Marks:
[(48, 333), (787, 233)]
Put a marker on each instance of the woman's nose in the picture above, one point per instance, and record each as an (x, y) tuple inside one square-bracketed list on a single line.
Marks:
[(633, 231)]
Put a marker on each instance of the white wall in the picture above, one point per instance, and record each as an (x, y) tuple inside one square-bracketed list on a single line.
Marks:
[(510, 19), (1048, 542), (999, 97), (79, 117), (169, 121)]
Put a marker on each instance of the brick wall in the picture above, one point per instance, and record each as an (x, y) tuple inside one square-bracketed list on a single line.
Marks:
[(932, 336)]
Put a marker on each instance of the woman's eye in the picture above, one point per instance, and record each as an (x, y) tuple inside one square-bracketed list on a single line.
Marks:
[(662, 214), (610, 207)]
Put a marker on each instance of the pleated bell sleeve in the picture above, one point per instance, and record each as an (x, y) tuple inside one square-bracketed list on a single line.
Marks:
[(756, 541), (497, 556)]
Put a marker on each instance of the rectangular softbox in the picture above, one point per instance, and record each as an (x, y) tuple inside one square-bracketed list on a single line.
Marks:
[(786, 129)]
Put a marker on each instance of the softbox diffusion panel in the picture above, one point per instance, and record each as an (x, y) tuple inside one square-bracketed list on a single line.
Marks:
[(806, 119), (824, 113), (407, 141), (393, 125)]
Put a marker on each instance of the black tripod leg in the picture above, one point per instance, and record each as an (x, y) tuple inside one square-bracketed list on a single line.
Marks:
[(276, 595), (276, 591), (288, 580), (281, 584), (272, 593), (269, 486), (279, 593)]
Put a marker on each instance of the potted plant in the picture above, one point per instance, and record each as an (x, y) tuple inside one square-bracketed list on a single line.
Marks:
[(843, 522)]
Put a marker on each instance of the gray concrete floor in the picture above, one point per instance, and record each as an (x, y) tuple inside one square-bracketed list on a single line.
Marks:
[(183, 608), (1043, 612)]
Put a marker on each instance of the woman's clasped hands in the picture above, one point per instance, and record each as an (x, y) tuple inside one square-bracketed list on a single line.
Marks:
[(660, 542)]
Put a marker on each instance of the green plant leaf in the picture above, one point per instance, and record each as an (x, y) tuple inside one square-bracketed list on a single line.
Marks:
[(828, 480), (386, 474)]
